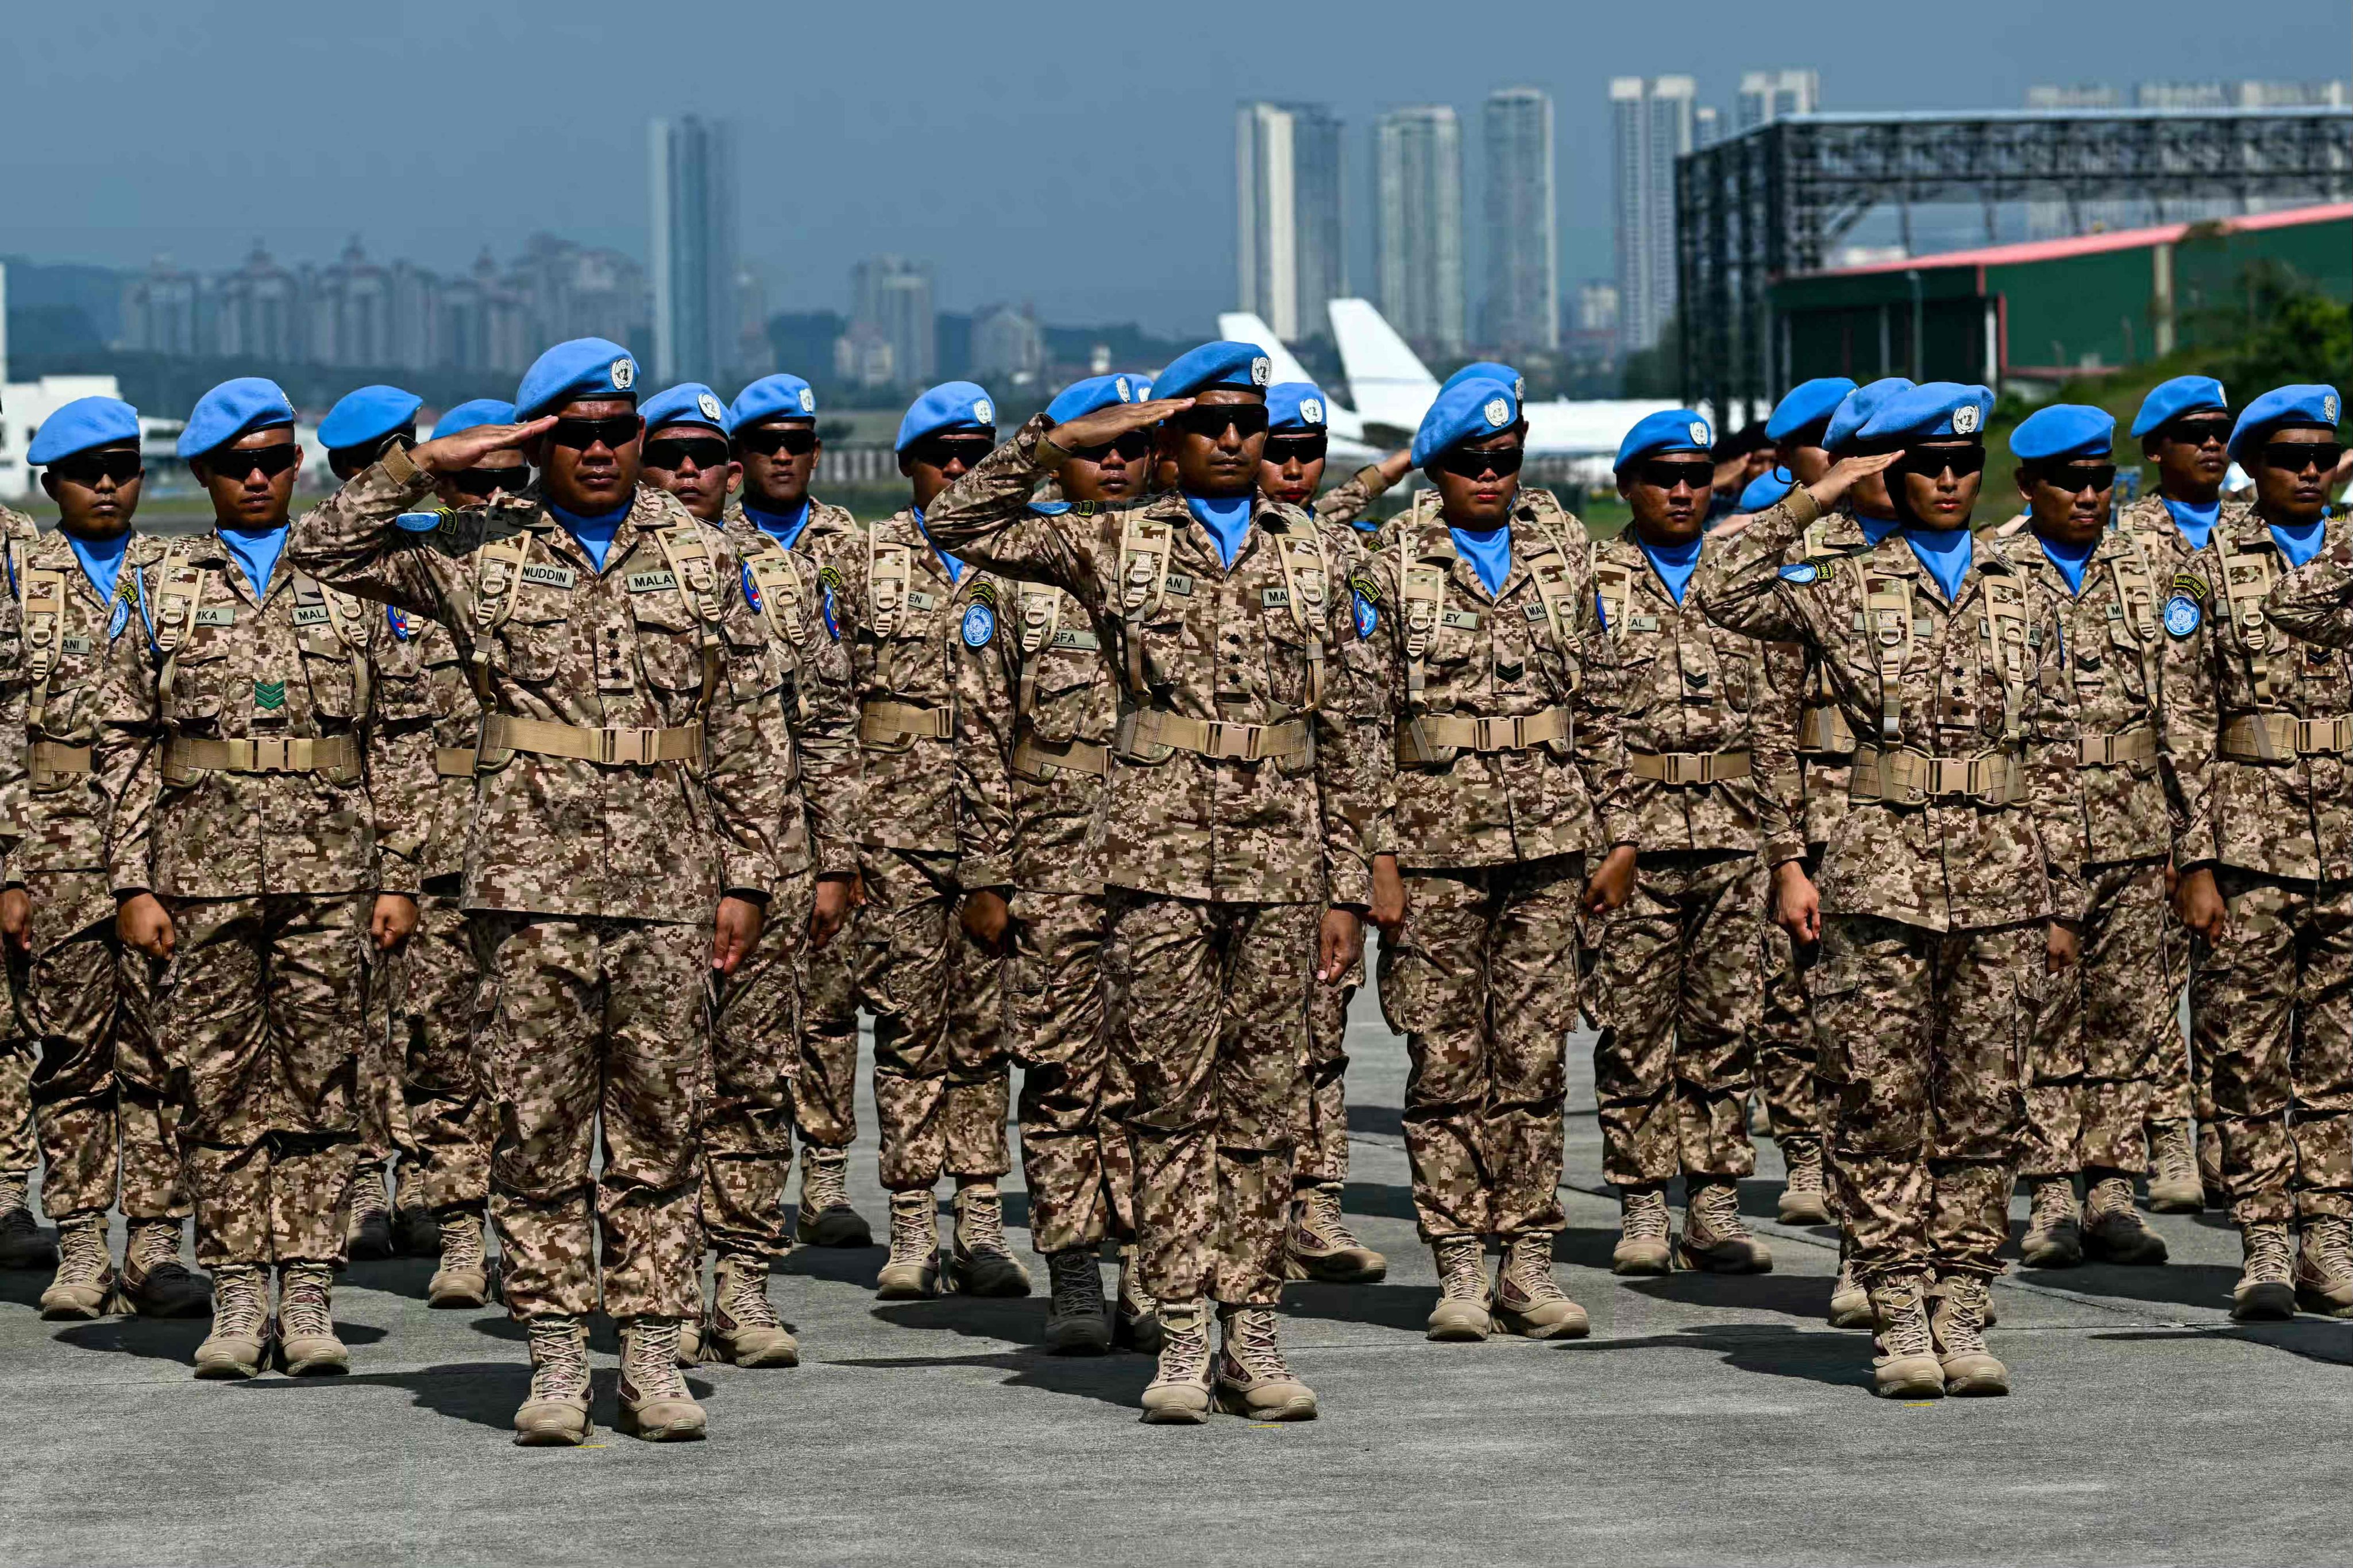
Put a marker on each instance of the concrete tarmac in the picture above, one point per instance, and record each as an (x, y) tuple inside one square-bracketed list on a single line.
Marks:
[(1706, 1421)]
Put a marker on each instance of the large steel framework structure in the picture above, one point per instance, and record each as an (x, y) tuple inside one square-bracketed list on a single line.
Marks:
[(1772, 201)]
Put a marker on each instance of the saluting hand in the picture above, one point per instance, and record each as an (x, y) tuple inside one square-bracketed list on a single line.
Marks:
[(1831, 486), (1108, 424), (454, 454)]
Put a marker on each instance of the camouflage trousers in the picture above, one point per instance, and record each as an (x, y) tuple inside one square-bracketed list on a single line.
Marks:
[(1930, 1030), (1075, 1160), (1482, 984), (19, 1148), (265, 1001), (106, 1104), (2103, 1030), (1786, 1056), (825, 1088), (1207, 1005), (1675, 991), (942, 1081), (748, 1130), (443, 1124), (1321, 1152), (2272, 1005), (596, 1023)]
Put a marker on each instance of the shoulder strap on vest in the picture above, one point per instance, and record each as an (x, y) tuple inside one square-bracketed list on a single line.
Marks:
[(44, 606), (2246, 580), (2002, 631), (1146, 545), (1421, 594), (1041, 610), (1887, 605), (2135, 590), (1613, 586), (1306, 578), (689, 560), (176, 603), (498, 573)]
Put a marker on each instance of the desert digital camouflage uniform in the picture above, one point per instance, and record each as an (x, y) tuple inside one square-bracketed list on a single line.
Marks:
[(1502, 714), (1962, 837), (592, 881), (18, 1053), (106, 1098), (235, 739), (1237, 805)]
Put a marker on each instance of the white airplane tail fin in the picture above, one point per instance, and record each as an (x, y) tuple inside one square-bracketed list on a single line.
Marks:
[(1389, 383), (1244, 327)]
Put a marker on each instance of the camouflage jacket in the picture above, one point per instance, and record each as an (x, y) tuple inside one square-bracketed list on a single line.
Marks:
[(1942, 861), (212, 666), (1689, 687), (2159, 537), (429, 722), (631, 654), (2251, 649), (1215, 650), (55, 682), (2115, 666), (1444, 651), (1825, 746), (1346, 501)]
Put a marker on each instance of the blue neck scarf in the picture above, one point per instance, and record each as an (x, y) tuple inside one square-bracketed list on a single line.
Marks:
[(593, 534), (1226, 519), (2195, 520), (1674, 563), (256, 552), (784, 528), (102, 561), (1946, 552), (2302, 542), (2071, 560), (954, 567), (1489, 550), (1875, 528)]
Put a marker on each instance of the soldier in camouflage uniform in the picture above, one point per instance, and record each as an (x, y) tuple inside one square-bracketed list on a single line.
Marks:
[(2107, 1025), (1498, 696), (234, 741), (1952, 878), (23, 1242), (687, 450), (105, 1100), (628, 783), (2259, 710), (1711, 750), (1236, 807)]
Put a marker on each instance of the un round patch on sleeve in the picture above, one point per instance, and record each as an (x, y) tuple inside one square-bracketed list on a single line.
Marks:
[(119, 619), (2182, 614), (1368, 616), (979, 625), (1799, 572), (417, 521)]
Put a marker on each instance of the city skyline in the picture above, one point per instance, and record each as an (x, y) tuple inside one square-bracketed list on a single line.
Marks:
[(1417, 155)]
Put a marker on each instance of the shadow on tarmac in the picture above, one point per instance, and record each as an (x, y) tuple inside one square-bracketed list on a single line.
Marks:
[(484, 1392), (2312, 1338), (173, 1339), (1839, 1360)]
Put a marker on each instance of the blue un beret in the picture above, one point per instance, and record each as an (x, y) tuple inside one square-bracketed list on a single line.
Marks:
[(2310, 404), (1930, 411), (1855, 409), (778, 396), (369, 414), (1807, 403), (2183, 395), (1766, 490), (1218, 364), (1083, 397), (1469, 411), (951, 405), (1489, 370), (2063, 431), (569, 372), (1297, 406), (233, 409), (472, 412), (1668, 430), (688, 403), (84, 423)]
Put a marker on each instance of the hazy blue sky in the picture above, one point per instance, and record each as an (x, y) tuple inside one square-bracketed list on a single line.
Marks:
[(1091, 172)]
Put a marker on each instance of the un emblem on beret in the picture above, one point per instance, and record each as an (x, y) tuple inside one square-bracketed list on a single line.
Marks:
[(1498, 412), (1699, 433), (1520, 387), (981, 412), (624, 371), (1965, 419), (1262, 368), (1119, 384), (710, 407), (809, 401), (1311, 410), (2328, 408)]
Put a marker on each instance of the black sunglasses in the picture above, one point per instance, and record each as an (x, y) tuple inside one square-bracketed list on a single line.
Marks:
[(2294, 457), (2200, 430), (940, 451), (483, 481), (1471, 463), (770, 439), (2077, 477), (86, 468), (236, 463), (1213, 419), (1931, 462), (1666, 474), (707, 452), (1130, 445), (1301, 449), (580, 434)]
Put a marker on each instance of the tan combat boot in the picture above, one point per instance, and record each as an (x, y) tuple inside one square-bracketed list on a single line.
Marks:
[(1716, 1239), (1464, 1312), (2209, 1167), (85, 1283), (980, 1262), (1802, 1200), (1850, 1302), (463, 1277), (554, 1414), (1252, 1380), (239, 1345), (2174, 1186), (1528, 1300), (1135, 1316), (1180, 1392), (743, 1328), (1077, 1322), (1644, 1229), (307, 1345), (2113, 1231), (2054, 1236), (23, 1242), (1906, 1366), (367, 1234), (1958, 1326), (2324, 1269), (155, 1283), (655, 1402), (826, 1218), (2266, 1288), (912, 1272), (1321, 1247)]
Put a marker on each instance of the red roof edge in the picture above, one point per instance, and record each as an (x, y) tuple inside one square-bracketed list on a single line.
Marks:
[(2094, 244)]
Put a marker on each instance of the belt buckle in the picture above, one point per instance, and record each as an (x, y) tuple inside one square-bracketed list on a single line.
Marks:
[(1672, 769), (633, 747), (1482, 734), (270, 753)]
